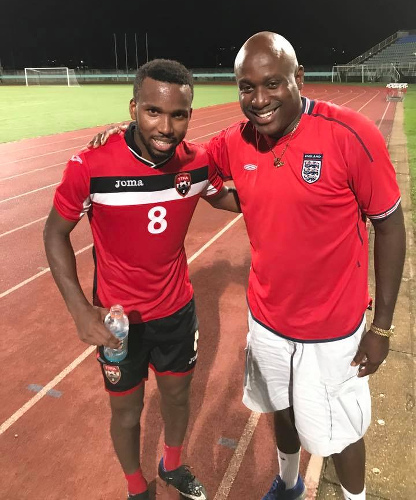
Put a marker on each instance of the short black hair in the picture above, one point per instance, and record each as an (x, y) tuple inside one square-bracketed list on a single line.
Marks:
[(163, 70)]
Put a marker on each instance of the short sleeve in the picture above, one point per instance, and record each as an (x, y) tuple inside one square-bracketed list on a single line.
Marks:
[(218, 152), (72, 196), (215, 182), (371, 173)]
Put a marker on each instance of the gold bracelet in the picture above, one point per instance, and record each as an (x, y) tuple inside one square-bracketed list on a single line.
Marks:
[(382, 331)]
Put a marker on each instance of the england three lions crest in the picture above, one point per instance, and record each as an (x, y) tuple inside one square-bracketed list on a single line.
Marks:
[(183, 183), (311, 168)]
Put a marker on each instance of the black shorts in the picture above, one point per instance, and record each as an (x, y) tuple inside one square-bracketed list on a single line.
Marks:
[(168, 345)]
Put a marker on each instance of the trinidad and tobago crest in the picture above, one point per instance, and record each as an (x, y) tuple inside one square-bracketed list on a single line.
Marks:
[(183, 183), (311, 168), (112, 373)]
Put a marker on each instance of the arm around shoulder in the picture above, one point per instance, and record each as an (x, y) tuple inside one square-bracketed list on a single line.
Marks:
[(226, 199)]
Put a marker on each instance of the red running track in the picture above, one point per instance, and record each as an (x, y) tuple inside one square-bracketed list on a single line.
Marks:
[(54, 418)]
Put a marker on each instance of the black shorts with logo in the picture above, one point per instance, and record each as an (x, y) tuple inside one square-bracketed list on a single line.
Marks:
[(168, 345)]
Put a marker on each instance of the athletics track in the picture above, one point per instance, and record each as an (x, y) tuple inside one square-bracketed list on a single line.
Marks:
[(54, 416)]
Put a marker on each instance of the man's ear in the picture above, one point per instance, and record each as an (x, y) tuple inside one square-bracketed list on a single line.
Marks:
[(190, 113), (299, 77), (132, 108)]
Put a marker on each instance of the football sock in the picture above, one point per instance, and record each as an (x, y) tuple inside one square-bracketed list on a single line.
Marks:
[(350, 496), (171, 457), (289, 467), (136, 483)]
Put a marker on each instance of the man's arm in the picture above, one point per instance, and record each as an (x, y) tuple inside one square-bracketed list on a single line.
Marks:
[(389, 255), (62, 262), (226, 199)]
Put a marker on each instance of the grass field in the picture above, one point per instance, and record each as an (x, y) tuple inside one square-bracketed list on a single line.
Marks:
[(410, 130), (35, 111)]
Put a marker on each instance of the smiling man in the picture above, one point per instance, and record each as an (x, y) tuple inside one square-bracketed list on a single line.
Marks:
[(140, 191), (320, 171)]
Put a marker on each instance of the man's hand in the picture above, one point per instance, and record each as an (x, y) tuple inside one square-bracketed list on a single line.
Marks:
[(91, 329), (102, 137), (372, 351)]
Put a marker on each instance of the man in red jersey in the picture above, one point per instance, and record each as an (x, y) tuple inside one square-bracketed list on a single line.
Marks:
[(140, 192), (308, 175)]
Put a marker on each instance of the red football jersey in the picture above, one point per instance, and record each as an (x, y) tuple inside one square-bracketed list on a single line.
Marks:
[(139, 215), (306, 220)]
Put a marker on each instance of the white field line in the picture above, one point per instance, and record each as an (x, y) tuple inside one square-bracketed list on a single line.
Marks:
[(50, 385)]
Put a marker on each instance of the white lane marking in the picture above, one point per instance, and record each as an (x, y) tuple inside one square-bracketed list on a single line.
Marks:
[(384, 114), (364, 105), (83, 145), (35, 276), (237, 458), (23, 409), (27, 406), (32, 171), (29, 192), (312, 475), (22, 227), (38, 156)]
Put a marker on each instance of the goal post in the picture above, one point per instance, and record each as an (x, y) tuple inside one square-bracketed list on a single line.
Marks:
[(354, 73), (51, 76)]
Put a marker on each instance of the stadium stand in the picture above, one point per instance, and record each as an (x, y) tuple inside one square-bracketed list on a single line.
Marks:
[(392, 60)]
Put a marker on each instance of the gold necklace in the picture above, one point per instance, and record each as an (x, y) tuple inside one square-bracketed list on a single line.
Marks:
[(278, 159)]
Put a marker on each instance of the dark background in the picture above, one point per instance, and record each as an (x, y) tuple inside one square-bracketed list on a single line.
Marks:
[(199, 34)]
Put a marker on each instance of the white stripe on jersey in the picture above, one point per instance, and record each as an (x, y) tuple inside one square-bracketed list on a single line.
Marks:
[(386, 213), (125, 198)]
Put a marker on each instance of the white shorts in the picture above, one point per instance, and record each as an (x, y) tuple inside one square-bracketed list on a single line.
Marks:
[(332, 406)]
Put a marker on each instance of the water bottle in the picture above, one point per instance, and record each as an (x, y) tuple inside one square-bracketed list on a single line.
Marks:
[(118, 324)]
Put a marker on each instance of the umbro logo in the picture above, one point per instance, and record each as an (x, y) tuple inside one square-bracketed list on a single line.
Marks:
[(250, 166)]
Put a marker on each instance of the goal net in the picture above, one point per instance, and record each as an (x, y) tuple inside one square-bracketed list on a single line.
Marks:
[(354, 73), (51, 76)]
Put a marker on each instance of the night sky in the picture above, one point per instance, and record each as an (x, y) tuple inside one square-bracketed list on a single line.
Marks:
[(199, 34)]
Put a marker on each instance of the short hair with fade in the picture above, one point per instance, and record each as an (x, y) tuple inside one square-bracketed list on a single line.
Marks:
[(163, 70)]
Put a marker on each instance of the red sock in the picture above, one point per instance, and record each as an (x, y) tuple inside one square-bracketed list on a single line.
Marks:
[(136, 483), (171, 457)]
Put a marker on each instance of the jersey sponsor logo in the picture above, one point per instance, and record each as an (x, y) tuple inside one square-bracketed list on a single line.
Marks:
[(183, 183), (76, 158), (128, 183), (112, 373), (311, 168), (250, 166)]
